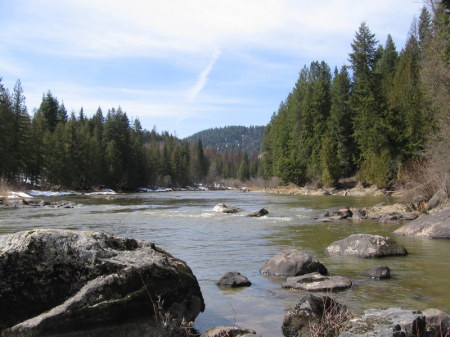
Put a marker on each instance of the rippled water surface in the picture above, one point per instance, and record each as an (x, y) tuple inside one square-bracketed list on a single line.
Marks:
[(183, 224)]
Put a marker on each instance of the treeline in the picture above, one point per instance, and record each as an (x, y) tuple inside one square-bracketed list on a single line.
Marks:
[(370, 118), (232, 138), (54, 149)]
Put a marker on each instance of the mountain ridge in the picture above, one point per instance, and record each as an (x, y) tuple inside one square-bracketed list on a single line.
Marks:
[(231, 138)]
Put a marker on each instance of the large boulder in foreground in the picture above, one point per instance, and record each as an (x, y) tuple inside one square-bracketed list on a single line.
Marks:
[(315, 316), (59, 281), (433, 226), (366, 246), (317, 282), (292, 262)]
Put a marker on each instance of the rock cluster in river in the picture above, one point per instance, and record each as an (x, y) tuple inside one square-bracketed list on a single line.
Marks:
[(27, 203), (323, 316), (54, 281), (396, 322)]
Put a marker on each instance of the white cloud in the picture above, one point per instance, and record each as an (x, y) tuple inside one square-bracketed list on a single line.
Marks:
[(174, 28), (249, 46)]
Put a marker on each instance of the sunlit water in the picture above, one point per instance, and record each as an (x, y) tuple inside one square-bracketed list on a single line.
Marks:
[(183, 224)]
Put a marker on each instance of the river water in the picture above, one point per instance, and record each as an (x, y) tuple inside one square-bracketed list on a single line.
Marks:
[(183, 224)]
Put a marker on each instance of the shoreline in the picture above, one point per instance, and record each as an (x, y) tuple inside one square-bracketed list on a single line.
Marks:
[(356, 191)]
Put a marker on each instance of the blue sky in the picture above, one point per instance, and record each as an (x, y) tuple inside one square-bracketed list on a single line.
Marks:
[(182, 65)]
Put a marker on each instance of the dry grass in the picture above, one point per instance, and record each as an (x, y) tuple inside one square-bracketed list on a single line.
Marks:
[(424, 178), (4, 189), (334, 320), (167, 324)]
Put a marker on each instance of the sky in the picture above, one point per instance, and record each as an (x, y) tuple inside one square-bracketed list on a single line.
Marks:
[(182, 66)]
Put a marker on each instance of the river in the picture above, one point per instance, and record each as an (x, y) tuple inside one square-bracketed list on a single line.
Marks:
[(183, 224)]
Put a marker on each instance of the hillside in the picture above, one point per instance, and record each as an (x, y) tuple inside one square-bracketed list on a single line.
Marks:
[(233, 138)]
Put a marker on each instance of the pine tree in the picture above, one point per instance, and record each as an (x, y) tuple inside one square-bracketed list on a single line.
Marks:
[(5, 132), (20, 133), (340, 124), (50, 109), (244, 168)]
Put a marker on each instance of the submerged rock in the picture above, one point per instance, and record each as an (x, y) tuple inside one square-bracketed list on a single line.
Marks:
[(292, 262), (258, 213), (59, 281), (366, 246), (336, 213), (380, 272), (233, 280), (317, 282), (222, 208), (433, 226), (359, 214)]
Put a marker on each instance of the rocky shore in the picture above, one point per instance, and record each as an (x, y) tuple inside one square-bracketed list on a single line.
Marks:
[(94, 284)]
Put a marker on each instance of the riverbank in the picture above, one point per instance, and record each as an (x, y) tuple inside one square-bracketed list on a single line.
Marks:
[(355, 190)]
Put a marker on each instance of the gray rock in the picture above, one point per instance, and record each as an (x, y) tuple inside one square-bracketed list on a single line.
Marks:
[(435, 200), (337, 213), (317, 282), (292, 262), (222, 208), (433, 226), (258, 213), (380, 272), (55, 281), (437, 322), (315, 316), (390, 218), (366, 246), (226, 331), (395, 322), (233, 280), (359, 214)]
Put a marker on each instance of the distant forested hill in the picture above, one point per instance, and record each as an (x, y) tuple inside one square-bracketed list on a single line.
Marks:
[(232, 138)]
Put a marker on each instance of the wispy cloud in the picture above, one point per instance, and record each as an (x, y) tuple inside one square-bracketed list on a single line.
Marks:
[(202, 78)]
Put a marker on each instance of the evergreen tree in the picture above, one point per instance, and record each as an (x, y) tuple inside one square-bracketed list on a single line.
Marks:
[(329, 163), (50, 109), (5, 132), (410, 121), (20, 133), (198, 163), (424, 27), (116, 136), (367, 99), (340, 126), (244, 168)]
